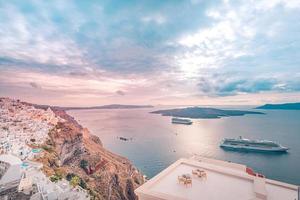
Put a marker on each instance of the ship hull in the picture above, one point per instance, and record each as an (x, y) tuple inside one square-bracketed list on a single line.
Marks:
[(185, 123), (181, 121), (253, 149)]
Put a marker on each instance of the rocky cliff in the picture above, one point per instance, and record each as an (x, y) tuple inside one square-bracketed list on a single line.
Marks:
[(72, 150)]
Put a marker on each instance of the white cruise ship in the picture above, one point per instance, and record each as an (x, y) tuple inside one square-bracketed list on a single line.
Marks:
[(176, 120), (252, 145)]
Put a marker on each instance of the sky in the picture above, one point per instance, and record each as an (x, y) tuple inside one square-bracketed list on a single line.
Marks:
[(193, 52)]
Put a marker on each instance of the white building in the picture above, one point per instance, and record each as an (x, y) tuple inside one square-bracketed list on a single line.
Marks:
[(47, 190), (10, 171), (22, 129), (224, 180)]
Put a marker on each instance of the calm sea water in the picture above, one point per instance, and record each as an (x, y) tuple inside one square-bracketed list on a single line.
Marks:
[(156, 143)]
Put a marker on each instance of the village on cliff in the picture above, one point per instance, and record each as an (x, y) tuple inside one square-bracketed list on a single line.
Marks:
[(23, 131)]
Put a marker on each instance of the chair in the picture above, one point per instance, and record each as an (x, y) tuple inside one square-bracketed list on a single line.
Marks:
[(200, 170), (181, 179), (187, 176), (199, 173), (195, 172), (188, 182), (203, 175)]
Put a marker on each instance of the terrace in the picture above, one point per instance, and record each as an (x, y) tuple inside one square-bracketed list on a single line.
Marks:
[(224, 181)]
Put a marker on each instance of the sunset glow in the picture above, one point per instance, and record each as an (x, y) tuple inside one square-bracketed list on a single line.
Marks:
[(150, 52)]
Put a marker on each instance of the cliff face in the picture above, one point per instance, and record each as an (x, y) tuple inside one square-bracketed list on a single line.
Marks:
[(67, 138), (107, 175)]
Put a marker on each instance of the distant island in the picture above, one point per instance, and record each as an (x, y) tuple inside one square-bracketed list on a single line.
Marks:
[(285, 106), (110, 106), (204, 113)]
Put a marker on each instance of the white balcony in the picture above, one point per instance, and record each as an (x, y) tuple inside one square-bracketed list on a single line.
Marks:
[(224, 181)]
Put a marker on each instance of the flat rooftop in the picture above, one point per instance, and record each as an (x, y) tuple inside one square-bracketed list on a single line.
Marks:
[(10, 159), (225, 180)]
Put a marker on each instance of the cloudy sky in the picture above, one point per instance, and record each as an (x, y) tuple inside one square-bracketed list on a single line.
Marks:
[(150, 51)]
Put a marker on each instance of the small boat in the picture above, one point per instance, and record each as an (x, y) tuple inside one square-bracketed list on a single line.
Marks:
[(176, 120), (252, 145), (124, 138)]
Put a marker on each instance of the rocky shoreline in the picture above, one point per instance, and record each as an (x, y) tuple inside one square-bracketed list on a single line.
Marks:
[(107, 175), (71, 151)]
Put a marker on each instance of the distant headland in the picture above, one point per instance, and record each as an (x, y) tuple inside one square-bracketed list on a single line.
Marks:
[(204, 113), (110, 106), (285, 106)]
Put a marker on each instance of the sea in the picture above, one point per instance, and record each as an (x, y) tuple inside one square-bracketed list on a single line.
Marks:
[(155, 143)]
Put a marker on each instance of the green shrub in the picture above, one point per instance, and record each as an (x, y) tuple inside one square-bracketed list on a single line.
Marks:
[(59, 175), (55, 178), (47, 148), (82, 183), (84, 164), (75, 181), (70, 176)]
